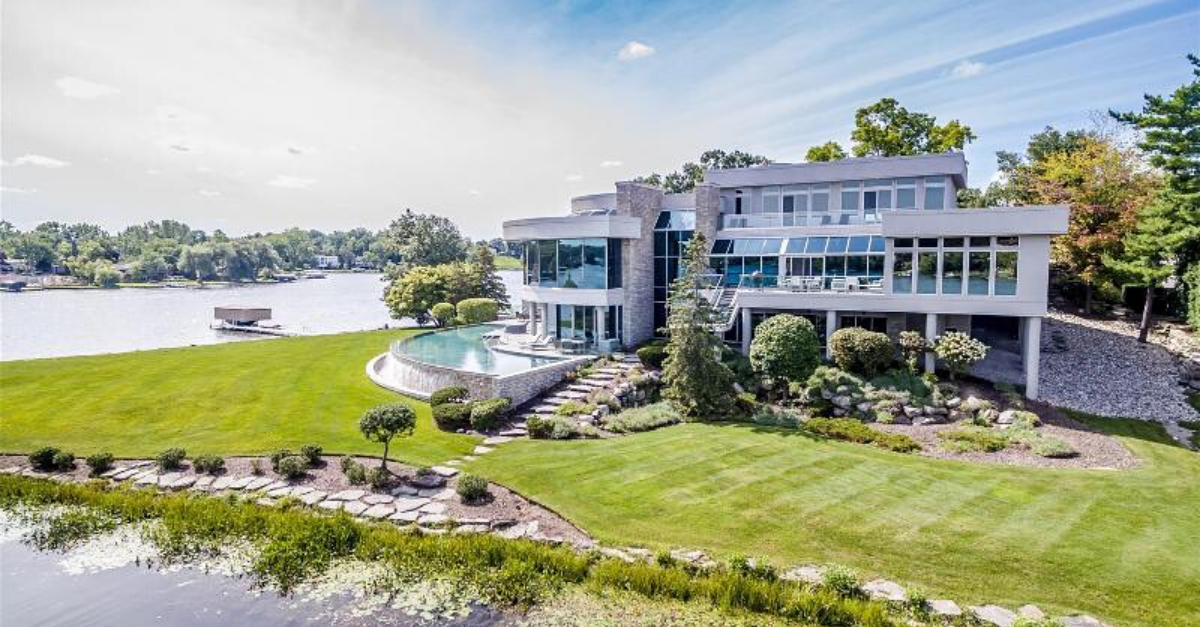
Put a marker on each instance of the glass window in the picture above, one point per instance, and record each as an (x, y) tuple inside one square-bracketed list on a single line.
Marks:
[(877, 244), (570, 262), (952, 272), (927, 273), (906, 193), (935, 193), (1008, 241), (722, 246), (850, 193), (663, 221), (903, 242), (952, 242), (548, 262), (771, 245), (595, 270), (927, 242), (980, 242), (770, 266), (859, 243), (815, 245), (902, 268), (835, 266), (977, 273), (660, 244), (1006, 273), (820, 198), (856, 265), (770, 201), (673, 247), (836, 245), (875, 266), (796, 245), (614, 264)]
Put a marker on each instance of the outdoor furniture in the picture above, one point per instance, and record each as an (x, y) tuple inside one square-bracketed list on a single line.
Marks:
[(852, 283), (838, 284), (812, 284), (572, 346)]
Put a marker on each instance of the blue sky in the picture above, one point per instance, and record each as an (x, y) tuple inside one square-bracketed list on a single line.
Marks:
[(250, 117)]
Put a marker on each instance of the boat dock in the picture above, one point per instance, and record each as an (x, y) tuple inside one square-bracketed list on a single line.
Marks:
[(247, 320)]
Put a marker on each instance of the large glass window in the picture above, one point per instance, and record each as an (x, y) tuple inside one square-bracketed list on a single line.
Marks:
[(927, 266), (935, 193), (673, 232), (1006, 273), (850, 202), (819, 201), (614, 263), (570, 262), (906, 193), (876, 197), (978, 271), (952, 272), (902, 272), (548, 262), (770, 201), (577, 322)]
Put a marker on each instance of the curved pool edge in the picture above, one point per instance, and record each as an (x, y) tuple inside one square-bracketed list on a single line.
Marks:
[(376, 378)]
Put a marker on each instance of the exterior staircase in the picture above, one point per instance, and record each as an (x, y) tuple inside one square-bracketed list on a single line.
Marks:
[(727, 309)]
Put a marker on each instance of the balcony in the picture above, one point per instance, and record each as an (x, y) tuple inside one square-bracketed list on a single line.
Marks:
[(785, 220), (812, 284)]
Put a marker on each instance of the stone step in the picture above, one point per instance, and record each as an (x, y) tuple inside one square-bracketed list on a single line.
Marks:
[(569, 394), (542, 410), (612, 370), (556, 400), (514, 433), (583, 387), (497, 439)]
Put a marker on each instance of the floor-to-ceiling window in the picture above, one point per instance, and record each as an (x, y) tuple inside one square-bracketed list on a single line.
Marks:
[(955, 266), (673, 231), (590, 263), (737, 258), (825, 257)]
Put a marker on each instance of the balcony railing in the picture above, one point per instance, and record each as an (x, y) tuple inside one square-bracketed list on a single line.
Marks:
[(812, 284), (783, 220)]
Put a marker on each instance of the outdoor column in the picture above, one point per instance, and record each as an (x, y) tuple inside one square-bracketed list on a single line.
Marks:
[(1031, 357), (746, 330), (601, 313), (831, 325), (551, 319), (931, 326)]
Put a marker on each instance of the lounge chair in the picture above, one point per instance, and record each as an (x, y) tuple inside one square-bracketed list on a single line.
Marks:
[(838, 284)]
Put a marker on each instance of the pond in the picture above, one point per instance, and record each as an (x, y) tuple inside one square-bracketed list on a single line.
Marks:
[(57, 323)]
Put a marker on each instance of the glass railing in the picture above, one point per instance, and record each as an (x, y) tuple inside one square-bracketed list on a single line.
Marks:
[(784, 220), (829, 284)]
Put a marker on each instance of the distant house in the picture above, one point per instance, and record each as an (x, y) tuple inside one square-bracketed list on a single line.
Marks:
[(328, 262), (15, 266)]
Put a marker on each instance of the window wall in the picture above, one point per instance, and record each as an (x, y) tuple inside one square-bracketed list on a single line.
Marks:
[(591, 263), (859, 256), (970, 266), (858, 202), (735, 258), (673, 231)]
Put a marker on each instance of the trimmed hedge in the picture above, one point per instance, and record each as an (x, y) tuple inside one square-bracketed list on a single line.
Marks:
[(486, 414), (652, 355), (850, 430), (452, 416), (452, 394), (860, 351), (476, 310)]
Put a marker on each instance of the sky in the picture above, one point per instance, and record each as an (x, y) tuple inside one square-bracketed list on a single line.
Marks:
[(259, 116)]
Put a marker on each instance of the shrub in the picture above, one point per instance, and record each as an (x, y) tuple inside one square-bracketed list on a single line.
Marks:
[(256, 466), (904, 381), (1025, 419), (277, 457), (860, 351), (652, 355), (1051, 447), (171, 458), (754, 569), (443, 313), (972, 439), (841, 580), (311, 453), (472, 488), (574, 408), (476, 310), (452, 416), (850, 430), (486, 415), (292, 466), (354, 471), (913, 346), (378, 477), (210, 464), (64, 460), (550, 428), (43, 458), (785, 347), (100, 462), (643, 418), (775, 417), (959, 352), (452, 394)]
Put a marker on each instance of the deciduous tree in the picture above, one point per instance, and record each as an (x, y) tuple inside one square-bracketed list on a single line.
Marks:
[(384, 422)]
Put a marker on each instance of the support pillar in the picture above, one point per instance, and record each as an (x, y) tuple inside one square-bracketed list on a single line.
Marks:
[(550, 323), (1031, 356), (747, 329), (831, 325), (931, 328), (601, 314)]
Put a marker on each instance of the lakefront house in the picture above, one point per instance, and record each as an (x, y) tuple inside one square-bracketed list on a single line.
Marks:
[(878, 243)]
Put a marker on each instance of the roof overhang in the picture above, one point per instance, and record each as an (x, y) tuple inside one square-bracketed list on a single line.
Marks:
[(575, 226), (1030, 220)]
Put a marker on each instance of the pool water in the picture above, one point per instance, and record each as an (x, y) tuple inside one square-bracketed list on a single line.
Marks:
[(464, 349)]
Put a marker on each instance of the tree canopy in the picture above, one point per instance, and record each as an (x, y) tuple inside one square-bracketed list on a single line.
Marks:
[(384, 422), (691, 174), (886, 129), (829, 151)]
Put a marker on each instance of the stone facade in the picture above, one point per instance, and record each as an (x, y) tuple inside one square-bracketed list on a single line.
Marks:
[(637, 271), (708, 210)]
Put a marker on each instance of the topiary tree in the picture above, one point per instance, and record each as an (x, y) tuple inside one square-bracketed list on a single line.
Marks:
[(476, 310), (443, 314), (861, 351), (959, 352), (384, 422), (785, 348)]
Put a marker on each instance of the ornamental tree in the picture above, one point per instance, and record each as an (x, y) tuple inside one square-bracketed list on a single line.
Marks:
[(384, 422), (959, 352), (785, 348)]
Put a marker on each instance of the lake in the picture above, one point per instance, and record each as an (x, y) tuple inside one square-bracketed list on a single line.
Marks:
[(58, 323)]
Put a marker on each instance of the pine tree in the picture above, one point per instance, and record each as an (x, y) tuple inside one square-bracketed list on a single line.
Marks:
[(485, 281), (1151, 250), (696, 380)]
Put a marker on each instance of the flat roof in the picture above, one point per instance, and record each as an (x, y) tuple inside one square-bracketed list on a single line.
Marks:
[(947, 164)]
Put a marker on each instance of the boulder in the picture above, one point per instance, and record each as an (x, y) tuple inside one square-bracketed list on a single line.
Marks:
[(841, 401), (1007, 417), (973, 403), (432, 520), (405, 517), (424, 482), (912, 412), (1031, 611), (989, 415), (865, 406), (884, 590), (404, 490), (958, 415), (842, 389), (805, 574), (953, 402), (993, 615), (1080, 620), (355, 507), (921, 421)]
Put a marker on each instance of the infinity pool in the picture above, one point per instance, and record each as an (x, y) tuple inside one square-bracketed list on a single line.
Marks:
[(464, 349)]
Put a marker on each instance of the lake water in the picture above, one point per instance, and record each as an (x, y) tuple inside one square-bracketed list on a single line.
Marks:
[(57, 323)]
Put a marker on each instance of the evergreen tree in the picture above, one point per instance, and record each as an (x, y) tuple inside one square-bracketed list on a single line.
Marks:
[(485, 281), (695, 379)]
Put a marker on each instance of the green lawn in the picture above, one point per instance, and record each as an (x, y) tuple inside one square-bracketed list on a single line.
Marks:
[(1124, 546), (237, 398), (504, 262)]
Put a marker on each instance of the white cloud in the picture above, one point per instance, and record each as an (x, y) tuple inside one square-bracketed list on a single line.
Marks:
[(967, 68), (571, 178), (40, 161), (73, 87), (634, 50), (17, 190), (209, 192), (291, 182), (611, 164), (474, 192)]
